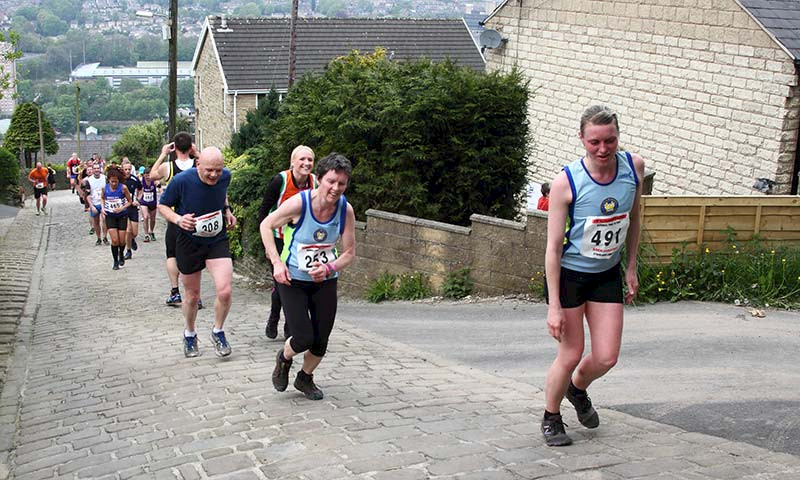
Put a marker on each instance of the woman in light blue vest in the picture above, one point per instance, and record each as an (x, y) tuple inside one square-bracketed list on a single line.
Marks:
[(595, 200), (306, 271)]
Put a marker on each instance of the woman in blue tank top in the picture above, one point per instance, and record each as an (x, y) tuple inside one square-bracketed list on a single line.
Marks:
[(306, 274), (594, 213), (116, 200)]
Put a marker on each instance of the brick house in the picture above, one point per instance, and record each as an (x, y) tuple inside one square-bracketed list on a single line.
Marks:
[(238, 60), (8, 67), (707, 91)]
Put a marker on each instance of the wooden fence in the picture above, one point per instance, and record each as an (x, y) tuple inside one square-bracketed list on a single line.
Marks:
[(670, 221)]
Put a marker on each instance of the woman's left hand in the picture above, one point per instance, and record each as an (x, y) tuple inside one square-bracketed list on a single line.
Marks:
[(319, 273), (632, 280)]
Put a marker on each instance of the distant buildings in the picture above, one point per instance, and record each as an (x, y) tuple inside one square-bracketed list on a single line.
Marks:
[(8, 102), (146, 73)]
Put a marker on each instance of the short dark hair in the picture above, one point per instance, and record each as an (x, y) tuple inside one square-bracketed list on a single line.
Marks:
[(334, 161), (545, 188), (183, 142), (599, 115)]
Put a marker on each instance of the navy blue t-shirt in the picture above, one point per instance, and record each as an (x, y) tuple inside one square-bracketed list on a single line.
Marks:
[(188, 194)]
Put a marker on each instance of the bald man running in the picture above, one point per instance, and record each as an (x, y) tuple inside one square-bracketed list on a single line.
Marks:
[(202, 215)]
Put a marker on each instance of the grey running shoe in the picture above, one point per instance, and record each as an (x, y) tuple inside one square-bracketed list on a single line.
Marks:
[(105, 241), (221, 346), (190, 347), (583, 406), (280, 375), (554, 433), (305, 383)]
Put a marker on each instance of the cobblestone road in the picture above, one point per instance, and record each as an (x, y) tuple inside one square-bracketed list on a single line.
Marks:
[(97, 387)]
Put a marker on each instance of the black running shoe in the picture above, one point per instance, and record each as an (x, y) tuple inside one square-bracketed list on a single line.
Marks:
[(134, 245), (554, 433), (116, 266), (121, 262), (98, 242), (128, 255), (153, 237), (105, 241), (199, 303), (174, 300), (271, 329), (583, 406), (280, 375), (305, 383)]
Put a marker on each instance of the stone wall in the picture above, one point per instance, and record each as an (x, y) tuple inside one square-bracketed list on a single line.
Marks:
[(703, 93), (502, 254)]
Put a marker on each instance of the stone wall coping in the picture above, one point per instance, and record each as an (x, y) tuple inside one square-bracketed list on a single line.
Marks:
[(537, 213), (499, 222), (360, 225), (419, 221)]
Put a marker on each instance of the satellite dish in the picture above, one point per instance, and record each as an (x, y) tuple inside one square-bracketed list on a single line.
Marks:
[(491, 39)]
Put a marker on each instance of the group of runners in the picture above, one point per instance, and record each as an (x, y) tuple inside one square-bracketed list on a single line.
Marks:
[(308, 232)]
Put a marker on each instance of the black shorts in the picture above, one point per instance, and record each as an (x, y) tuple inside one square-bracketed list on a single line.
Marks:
[(150, 208), (170, 239), (120, 223), (192, 256), (133, 214), (577, 288), (310, 312), (38, 192)]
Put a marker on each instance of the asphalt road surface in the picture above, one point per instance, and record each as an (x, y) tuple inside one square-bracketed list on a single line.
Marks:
[(703, 367)]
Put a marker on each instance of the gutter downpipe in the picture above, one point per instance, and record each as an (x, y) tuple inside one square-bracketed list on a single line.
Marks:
[(235, 123), (796, 170)]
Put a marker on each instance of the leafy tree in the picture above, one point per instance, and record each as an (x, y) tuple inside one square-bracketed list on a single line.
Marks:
[(23, 133), (129, 85), (50, 25), (256, 128), (141, 143), (247, 10), (435, 141)]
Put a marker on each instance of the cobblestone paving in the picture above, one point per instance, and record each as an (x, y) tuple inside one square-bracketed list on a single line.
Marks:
[(98, 387)]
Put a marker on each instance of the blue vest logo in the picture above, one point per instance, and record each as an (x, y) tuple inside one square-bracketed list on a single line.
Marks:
[(609, 206), (320, 235)]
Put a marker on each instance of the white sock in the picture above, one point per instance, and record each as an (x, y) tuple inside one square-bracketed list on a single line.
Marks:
[(217, 330), (187, 333)]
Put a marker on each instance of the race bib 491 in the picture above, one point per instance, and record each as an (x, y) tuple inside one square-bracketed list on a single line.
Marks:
[(604, 236)]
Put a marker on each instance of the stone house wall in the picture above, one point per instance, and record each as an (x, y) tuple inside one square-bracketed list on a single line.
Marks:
[(703, 93), (212, 127)]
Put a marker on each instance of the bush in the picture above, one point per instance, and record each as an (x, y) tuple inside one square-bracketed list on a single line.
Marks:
[(457, 284), (9, 175), (382, 288), (426, 139), (743, 273)]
